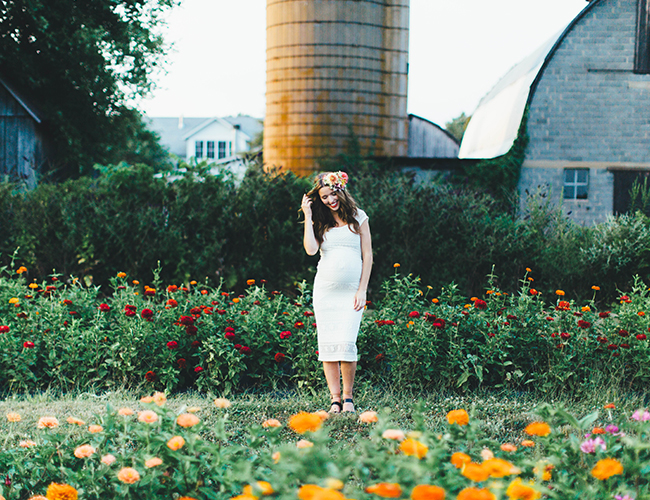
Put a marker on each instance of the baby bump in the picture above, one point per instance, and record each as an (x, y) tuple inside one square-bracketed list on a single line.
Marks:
[(344, 271)]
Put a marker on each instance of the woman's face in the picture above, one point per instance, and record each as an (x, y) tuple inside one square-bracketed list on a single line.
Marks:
[(329, 197)]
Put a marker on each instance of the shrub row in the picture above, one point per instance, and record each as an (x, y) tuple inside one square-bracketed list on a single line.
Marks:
[(211, 226), (65, 335)]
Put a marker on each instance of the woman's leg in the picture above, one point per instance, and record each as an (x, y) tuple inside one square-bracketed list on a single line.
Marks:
[(333, 377), (348, 369)]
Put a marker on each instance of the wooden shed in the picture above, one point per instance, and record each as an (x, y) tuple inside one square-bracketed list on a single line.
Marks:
[(22, 142)]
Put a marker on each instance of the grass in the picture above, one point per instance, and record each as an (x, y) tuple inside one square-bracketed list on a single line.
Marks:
[(503, 414)]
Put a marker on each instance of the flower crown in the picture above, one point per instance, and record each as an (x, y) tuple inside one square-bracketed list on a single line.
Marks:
[(336, 181)]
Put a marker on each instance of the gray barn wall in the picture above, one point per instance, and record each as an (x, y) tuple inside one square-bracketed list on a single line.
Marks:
[(590, 110)]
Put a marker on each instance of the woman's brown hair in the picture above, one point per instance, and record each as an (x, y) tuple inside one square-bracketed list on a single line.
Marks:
[(322, 215)]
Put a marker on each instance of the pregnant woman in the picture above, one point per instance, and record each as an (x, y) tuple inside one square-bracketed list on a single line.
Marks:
[(335, 226)]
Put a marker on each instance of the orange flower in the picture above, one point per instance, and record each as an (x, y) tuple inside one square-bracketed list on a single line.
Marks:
[(250, 282), (27, 443), (427, 492), (187, 420), (394, 434), (262, 487), (497, 467), (533, 291), (475, 494), (153, 462), (159, 398), (271, 422), (21, 270), (57, 491), (84, 451), (186, 498), (545, 473), (538, 429), (303, 443), (125, 412), (459, 417), (47, 422), (304, 422), (222, 403), (641, 313), (128, 475), (413, 448), (595, 288), (518, 490), (193, 409), (121, 275), (322, 414), (176, 443), (509, 447), (314, 492), (586, 308), (559, 292), (12, 416), (148, 416), (36, 497), (475, 472), (607, 467), (368, 417), (94, 429), (146, 399), (459, 459), (108, 459), (385, 490), (235, 300), (276, 457), (396, 265), (244, 497), (528, 443), (610, 406), (435, 301), (75, 421), (598, 430)]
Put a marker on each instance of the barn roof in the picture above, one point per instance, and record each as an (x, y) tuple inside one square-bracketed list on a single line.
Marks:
[(495, 123), (21, 100)]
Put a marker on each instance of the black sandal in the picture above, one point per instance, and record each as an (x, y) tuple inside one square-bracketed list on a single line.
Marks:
[(348, 400), (336, 403)]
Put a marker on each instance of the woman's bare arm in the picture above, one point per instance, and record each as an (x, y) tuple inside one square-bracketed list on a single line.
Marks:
[(366, 256)]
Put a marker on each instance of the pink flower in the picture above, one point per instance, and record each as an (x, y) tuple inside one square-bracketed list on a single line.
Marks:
[(229, 335), (641, 416), (198, 369), (590, 445), (285, 335)]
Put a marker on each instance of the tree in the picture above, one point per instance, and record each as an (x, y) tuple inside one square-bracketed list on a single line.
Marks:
[(457, 126), (79, 62)]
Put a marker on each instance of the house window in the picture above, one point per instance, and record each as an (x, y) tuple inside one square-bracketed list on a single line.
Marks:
[(230, 148), (642, 45), (210, 151), (222, 149), (198, 149), (576, 183)]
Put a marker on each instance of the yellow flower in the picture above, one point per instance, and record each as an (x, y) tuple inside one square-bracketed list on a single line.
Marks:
[(459, 459), (159, 398), (75, 421), (128, 475), (518, 490), (303, 443), (305, 422), (176, 443), (271, 422), (12, 416), (187, 420), (153, 462), (121, 275), (538, 429), (14, 300), (94, 429), (47, 422), (263, 487), (545, 472), (475, 494), (413, 448), (385, 490), (57, 491), (368, 417), (84, 451), (222, 403), (607, 467), (148, 416), (427, 492), (21, 270), (125, 412), (559, 292), (33, 286), (459, 417)]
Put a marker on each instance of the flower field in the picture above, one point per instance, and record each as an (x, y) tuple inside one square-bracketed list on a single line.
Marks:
[(59, 333), (151, 450)]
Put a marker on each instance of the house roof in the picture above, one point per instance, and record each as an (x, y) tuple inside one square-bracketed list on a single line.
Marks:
[(495, 123), (21, 100)]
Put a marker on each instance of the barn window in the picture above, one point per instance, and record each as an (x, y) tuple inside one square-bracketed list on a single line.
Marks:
[(198, 149), (210, 151), (222, 149), (576, 183), (642, 47)]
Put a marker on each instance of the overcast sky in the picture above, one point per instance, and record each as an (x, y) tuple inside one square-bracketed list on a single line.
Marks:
[(458, 51)]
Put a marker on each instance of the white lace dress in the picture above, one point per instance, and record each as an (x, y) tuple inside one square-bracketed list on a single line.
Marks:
[(337, 280)]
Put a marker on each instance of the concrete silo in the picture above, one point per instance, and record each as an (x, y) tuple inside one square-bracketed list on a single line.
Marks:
[(334, 67)]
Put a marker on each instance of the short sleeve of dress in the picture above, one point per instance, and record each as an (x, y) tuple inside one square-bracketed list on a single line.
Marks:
[(361, 216)]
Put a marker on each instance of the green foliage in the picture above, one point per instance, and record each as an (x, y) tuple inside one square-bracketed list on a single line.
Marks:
[(458, 125), (80, 62)]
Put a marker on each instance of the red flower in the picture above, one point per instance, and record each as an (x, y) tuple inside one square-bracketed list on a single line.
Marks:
[(186, 320), (245, 350), (511, 316), (584, 324), (104, 308), (308, 313), (221, 312), (67, 302), (149, 292), (612, 347), (577, 314), (480, 304), (172, 344), (604, 314), (414, 314), (563, 305), (380, 357), (229, 335), (429, 317), (198, 369), (548, 318), (534, 292), (257, 303), (146, 314), (172, 288), (602, 340), (195, 311), (191, 330), (439, 323), (625, 346), (28, 345), (641, 336), (181, 363), (299, 325), (491, 335), (237, 346), (285, 335), (565, 335), (243, 313), (73, 313), (171, 303), (4, 329), (279, 357), (196, 343), (625, 298), (150, 376), (121, 287), (623, 333), (207, 310)]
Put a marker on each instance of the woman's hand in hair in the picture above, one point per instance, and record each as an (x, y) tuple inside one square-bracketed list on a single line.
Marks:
[(306, 206)]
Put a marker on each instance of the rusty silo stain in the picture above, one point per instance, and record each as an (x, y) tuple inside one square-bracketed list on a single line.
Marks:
[(333, 66)]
